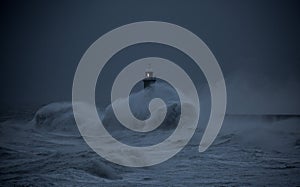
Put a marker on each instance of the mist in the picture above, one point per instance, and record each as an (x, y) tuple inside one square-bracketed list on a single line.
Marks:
[(255, 43)]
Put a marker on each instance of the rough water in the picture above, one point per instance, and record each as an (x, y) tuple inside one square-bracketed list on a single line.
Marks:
[(46, 149)]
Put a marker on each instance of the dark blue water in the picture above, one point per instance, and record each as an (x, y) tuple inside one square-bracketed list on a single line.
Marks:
[(48, 150)]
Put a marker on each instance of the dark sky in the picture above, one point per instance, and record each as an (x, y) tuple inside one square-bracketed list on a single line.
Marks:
[(256, 44)]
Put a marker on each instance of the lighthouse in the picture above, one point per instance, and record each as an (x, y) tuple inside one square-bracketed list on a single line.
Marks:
[(149, 77)]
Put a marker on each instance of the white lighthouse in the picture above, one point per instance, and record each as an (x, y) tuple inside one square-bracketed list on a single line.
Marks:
[(149, 77)]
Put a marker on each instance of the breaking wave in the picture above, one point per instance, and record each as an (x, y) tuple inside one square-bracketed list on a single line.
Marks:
[(50, 147)]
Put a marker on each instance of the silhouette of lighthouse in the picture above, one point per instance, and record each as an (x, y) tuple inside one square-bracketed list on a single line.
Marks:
[(149, 78)]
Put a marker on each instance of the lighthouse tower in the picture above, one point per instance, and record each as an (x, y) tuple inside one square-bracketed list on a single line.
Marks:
[(149, 78)]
